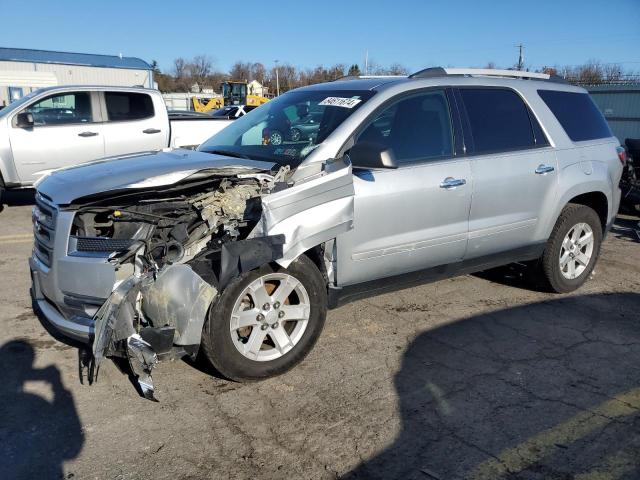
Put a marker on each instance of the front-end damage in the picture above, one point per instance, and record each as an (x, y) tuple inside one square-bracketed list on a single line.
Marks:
[(176, 248)]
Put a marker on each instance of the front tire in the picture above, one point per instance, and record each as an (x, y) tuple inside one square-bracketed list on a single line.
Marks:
[(572, 249), (266, 321)]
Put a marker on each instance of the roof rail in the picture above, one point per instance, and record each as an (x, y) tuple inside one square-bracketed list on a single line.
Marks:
[(365, 77), (484, 72)]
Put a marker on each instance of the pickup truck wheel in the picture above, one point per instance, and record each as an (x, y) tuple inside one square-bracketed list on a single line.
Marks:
[(266, 321), (572, 249)]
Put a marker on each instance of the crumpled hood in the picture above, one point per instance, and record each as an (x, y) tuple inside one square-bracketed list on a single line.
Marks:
[(145, 170)]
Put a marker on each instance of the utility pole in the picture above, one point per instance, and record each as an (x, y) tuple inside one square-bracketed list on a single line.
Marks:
[(366, 62), (277, 80), (520, 57)]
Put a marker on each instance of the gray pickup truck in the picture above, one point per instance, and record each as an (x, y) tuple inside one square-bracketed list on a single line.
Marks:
[(62, 126), (238, 249)]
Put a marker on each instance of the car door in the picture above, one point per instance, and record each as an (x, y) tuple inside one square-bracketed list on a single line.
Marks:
[(416, 216), (131, 123), (514, 170), (65, 132)]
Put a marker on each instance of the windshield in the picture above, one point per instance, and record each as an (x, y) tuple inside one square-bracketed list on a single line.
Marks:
[(287, 129)]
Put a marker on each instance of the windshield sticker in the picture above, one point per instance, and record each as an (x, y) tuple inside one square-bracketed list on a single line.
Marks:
[(340, 102)]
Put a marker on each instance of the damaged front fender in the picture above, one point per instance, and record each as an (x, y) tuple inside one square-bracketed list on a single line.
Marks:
[(162, 309), (309, 213)]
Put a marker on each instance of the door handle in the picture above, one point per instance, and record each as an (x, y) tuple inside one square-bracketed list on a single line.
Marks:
[(450, 183), (151, 130), (88, 134), (544, 169)]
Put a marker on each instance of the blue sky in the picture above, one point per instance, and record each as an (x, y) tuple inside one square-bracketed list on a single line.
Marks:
[(305, 33)]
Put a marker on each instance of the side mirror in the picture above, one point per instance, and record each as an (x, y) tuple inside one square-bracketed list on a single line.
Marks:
[(24, 120), (372, 155)]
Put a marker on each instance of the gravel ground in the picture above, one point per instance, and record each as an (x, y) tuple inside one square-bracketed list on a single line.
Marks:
[(474, 377)]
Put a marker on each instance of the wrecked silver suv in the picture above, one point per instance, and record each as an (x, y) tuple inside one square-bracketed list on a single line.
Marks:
[(236, 250)]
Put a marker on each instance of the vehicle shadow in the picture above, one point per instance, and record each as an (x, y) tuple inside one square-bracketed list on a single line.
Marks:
[(549, 390), (516, 275), (626, 228), (37, 434), (17, 198)]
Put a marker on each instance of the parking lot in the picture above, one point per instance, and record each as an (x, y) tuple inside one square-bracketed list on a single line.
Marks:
[(474, 377)]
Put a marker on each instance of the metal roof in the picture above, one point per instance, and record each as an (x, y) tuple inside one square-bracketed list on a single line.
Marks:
[(69, 58)]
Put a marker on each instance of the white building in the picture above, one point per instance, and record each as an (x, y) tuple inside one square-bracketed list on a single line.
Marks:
[(254, 87), (23, 70)]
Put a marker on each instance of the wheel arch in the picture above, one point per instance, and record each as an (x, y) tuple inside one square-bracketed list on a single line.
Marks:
[(597, 201), (591, 194)]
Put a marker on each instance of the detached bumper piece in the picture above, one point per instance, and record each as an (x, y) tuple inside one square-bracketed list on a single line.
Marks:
[(115, 334), (142, 359), (151, 315)]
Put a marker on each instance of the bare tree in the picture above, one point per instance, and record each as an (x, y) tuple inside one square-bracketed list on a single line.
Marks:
[(613, 72), (200, 68), (397, 69), (179, 67), (240, 71), (258, 72)]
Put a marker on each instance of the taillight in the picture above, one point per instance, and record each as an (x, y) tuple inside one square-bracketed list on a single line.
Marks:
[(622, 155)]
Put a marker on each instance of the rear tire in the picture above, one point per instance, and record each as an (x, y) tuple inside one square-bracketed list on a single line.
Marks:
[(572, 249), (252, 333)]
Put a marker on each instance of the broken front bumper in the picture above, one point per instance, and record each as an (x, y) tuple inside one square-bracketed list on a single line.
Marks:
[(150, 315)]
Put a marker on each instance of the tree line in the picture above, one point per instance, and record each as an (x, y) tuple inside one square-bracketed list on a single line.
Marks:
[(200, 70)]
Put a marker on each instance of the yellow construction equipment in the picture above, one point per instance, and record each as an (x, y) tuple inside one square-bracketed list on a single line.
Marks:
[(208, 105), (233, 93)]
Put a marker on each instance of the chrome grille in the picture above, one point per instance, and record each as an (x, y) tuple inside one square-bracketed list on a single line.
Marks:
[(44, 217)]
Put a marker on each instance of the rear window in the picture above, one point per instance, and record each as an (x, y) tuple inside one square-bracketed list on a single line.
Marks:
[(498, 118), (128, 106), (577, 114)]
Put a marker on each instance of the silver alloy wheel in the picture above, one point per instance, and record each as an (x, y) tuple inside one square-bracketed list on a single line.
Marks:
[(576, 251), (276, 138), (295, 134), (270, 316)]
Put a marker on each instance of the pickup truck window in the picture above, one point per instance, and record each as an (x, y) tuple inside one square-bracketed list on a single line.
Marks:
[(416, 129), (122, 106), (62, 109), (268, 133)]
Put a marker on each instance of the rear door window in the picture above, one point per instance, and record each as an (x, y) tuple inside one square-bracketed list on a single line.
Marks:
[(498, 119), (122, 106), (416, 128), (577, 114)]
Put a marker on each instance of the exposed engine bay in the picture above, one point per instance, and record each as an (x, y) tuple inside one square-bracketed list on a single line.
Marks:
[(173, 250)]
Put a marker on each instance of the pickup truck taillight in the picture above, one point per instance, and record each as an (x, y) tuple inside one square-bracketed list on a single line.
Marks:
[(622, 155)]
